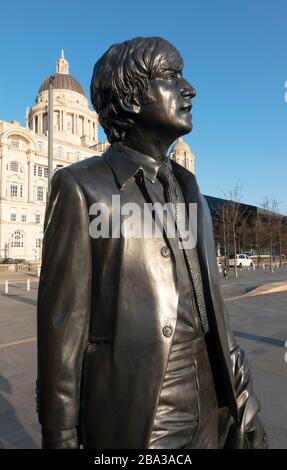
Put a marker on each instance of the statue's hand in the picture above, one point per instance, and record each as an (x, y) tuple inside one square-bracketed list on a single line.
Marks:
[(66, 439)]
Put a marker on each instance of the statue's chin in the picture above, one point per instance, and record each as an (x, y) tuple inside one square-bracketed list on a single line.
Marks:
[(185, 130)]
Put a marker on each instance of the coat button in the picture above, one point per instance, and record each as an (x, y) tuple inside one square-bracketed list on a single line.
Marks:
[(167, 330), (165, 251)]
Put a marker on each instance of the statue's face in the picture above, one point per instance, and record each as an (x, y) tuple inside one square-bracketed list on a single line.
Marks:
[(170, 114)]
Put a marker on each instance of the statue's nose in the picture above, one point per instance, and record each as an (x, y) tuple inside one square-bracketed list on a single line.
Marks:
[(187, 90)]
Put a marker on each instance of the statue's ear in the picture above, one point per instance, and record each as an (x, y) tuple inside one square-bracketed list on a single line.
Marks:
[(130, 105)]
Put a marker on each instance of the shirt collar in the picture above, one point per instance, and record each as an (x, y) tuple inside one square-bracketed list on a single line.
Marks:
[(133, 161)]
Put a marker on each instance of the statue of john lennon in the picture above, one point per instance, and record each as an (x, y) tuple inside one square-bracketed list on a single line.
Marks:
[(134, 345)]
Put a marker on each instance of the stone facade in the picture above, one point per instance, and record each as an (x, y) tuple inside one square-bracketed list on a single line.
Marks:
[(24, 161)]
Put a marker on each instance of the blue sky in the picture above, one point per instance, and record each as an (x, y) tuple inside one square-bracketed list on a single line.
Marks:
[(235, 54)]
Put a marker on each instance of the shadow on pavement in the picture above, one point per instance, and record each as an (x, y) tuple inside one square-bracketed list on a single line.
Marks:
[(12, 432)]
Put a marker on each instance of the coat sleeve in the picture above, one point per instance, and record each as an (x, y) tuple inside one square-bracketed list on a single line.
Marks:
[(64, 303), (247, 431)]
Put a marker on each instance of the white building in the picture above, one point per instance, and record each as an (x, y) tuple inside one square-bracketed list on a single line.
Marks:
[(181, 153), (24, 160)]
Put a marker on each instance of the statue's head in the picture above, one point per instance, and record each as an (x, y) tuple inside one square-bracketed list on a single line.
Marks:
[(140, 83)]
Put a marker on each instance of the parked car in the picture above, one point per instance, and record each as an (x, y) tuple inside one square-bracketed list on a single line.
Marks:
[(241, 260), (13, 261), (8, 261)]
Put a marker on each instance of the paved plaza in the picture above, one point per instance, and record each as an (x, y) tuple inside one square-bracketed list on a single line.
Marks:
[(259, 323)]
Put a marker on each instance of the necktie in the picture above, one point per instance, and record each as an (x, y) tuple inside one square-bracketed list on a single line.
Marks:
[(167, 179)]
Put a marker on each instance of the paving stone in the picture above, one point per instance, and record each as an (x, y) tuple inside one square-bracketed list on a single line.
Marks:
[(263, 316)]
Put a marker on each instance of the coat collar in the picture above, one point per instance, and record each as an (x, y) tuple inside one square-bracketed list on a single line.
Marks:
[(126, 162)]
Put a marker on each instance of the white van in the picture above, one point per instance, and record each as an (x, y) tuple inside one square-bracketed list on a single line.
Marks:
[(241, 260)]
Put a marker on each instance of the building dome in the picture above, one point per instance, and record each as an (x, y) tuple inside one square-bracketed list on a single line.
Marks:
[(62, 79), (181, 153), (63, 82), (180, 146), (73, 120)]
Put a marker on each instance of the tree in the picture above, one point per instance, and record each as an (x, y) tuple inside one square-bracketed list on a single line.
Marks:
[(269, 215), (230, 216)]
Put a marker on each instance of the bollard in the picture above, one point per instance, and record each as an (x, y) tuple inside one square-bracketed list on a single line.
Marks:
[(277, 265), (28, 284), (6, 287), (263, 266), (253, 266)]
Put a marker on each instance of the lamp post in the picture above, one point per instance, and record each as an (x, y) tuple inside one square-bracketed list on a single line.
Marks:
[(40, 243), (50, 130)]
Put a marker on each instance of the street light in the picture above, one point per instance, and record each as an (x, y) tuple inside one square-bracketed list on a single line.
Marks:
[(50, 130), (40, 241)]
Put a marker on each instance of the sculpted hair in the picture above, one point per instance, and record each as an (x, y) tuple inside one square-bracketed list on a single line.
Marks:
[(122, 76)]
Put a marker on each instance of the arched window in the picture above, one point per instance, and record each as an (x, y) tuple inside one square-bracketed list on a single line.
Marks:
[(60, 152), (17, 239)]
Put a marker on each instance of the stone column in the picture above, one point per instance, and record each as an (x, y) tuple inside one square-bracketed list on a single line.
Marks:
[(74, 124), (40, 124), (95, 135), (64, 121)]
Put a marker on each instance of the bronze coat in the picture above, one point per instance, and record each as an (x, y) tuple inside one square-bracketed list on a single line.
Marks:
[(102, 307)]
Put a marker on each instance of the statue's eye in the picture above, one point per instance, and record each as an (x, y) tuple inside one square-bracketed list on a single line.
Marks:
[(176, 76)]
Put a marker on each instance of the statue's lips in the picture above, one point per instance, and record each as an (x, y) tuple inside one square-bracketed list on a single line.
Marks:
[(186, 108)]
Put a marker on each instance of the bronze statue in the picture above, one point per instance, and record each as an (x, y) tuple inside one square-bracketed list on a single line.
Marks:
[(134, 345)]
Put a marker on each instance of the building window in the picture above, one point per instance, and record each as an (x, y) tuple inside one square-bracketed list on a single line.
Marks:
[(13, 217), (41, 147), (78, 156), (60, 152), (14, 166), (40, 193), (56, 121), (37, 218), (16, 190), (13, 190), (35, 170), (23, 218), (69, 121), (15, 143), (45, 122), (40, 171), (46, 172), (17, 239)]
